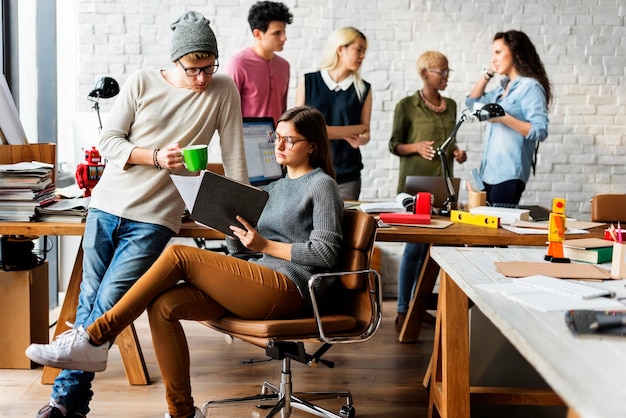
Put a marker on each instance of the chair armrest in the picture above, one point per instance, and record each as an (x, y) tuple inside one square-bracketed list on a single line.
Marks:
[(373, 285)]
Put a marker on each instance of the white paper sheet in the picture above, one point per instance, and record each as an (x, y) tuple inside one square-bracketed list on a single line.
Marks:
[(10, 123), (188, 187), (535, 231)]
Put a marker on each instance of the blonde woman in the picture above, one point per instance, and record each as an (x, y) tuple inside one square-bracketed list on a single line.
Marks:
[(345, 99)]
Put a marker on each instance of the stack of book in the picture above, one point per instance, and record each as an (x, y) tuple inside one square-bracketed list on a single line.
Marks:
[(589, 250), (23, 188), (64, 210)]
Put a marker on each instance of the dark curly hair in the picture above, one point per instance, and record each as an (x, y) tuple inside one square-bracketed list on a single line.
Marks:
[(264, 12), (525, 58)]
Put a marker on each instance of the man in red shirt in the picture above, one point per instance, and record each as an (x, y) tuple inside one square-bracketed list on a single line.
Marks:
[(261, 76)]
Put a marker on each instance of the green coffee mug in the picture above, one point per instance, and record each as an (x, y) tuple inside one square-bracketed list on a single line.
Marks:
[(195, 157)]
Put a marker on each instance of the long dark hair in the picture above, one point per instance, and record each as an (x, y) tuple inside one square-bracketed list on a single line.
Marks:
[(525, 58), (310, 123)]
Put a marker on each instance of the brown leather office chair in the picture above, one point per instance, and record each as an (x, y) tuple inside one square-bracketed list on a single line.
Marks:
[(216, 168), (349, 312), (608, 208)]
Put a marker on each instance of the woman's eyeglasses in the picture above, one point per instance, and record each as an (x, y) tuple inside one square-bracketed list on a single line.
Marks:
[(443, 73), (289, 140), (194, 72)]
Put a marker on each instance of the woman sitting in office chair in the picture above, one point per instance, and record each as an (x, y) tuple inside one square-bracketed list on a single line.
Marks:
[(299, 234)]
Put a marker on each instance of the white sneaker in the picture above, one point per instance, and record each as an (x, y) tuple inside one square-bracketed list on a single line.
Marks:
[(71, 350), (198, 414)]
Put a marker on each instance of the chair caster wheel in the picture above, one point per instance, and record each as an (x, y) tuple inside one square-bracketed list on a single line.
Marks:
[(347, 411)]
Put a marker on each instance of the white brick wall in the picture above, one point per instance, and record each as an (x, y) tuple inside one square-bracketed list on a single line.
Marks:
[(582, 44)]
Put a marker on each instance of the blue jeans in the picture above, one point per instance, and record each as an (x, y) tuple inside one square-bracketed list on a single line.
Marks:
[(410, 267), (116, 252)]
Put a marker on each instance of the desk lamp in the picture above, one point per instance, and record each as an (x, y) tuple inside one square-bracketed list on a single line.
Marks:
[(89, 172), (105, 88), (488, 111)]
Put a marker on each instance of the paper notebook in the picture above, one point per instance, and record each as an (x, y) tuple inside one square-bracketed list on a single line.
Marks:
[(215, 201)]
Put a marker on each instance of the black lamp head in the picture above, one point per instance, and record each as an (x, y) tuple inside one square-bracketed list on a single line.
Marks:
[(489, 111), (105, 88)]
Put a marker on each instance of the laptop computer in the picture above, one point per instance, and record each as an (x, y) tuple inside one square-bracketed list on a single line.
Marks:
[(435, 185), (260, 159)]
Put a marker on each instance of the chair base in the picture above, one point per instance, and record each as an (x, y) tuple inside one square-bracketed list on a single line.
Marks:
[(283, 399)]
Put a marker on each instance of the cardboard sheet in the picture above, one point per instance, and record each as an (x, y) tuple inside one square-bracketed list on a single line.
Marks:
[(578, 271)]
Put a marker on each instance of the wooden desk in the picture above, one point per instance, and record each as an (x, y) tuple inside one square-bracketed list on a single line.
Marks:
[(587, 373), (456, 234), (130, 350)]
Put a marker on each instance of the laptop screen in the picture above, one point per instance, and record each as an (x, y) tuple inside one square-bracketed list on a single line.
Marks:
[(436, 186), (262, 166)]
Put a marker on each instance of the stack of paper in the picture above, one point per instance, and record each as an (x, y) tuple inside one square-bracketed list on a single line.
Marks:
[(64, 210), (24, 187)]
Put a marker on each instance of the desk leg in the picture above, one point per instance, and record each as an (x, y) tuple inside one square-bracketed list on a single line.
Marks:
[(418, 305), (572, 413), (132, 357), (450, 382), (130, 350)]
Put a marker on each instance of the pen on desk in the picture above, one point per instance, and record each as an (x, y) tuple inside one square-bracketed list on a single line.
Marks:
[(608, 322), (619, 232)]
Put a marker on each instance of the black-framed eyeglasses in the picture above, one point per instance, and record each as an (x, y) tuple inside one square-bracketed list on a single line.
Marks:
[(443, 73), (194, 72), (289, 140)]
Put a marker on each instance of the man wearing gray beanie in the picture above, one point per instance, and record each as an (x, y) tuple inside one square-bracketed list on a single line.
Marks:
[(192, 33), (135, 208)]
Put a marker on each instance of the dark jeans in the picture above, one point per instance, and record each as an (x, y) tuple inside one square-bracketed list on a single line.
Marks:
[(506, 192)]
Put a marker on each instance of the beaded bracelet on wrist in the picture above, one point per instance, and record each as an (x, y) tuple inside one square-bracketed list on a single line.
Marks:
[(155, 160)]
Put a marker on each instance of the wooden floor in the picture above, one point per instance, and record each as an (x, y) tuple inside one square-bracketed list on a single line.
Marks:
[(383, 375)]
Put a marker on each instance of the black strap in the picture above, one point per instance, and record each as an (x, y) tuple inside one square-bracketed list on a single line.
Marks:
[(534, 163)]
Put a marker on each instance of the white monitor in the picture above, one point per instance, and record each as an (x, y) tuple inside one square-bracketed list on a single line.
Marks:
[(11, 129)]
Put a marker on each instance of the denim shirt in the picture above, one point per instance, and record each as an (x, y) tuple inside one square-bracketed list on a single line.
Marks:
[(507, 155)]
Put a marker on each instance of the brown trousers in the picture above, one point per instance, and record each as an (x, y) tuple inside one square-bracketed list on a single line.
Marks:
[(212, 285)]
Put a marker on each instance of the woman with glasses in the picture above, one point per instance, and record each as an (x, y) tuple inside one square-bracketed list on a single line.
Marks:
[(421, 123), (345, 100), (298, 234), (511, 141)]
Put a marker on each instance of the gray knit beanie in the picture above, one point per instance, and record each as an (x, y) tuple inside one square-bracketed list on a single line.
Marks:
[(192, 33)]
